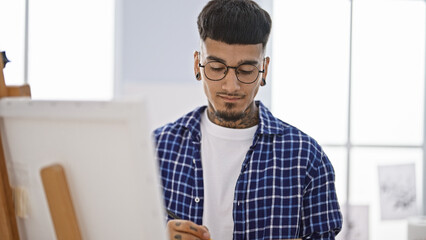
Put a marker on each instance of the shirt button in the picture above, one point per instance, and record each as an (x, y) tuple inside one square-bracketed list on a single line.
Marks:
[(197, 199), (238, 203), (193, 160)]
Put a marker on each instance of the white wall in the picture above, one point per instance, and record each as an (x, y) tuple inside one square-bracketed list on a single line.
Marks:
[(155, 42)]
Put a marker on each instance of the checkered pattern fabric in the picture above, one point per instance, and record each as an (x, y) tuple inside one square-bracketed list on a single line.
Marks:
[(285, 189)]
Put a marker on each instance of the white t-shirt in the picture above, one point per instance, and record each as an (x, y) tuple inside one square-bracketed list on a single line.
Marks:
[(223, 151)]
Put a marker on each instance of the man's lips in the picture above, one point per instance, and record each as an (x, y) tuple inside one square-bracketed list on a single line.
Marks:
[(231, 98)]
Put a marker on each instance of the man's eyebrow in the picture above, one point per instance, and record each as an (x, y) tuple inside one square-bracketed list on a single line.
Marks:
[(213, 58), (252, 62)]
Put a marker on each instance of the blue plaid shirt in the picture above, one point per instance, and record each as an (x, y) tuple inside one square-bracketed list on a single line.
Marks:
[(285, 189)]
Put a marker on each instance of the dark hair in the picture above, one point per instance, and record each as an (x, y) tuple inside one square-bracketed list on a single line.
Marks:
[(234, 22)]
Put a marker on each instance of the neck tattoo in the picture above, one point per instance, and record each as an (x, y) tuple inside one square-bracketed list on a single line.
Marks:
[(249, 118)]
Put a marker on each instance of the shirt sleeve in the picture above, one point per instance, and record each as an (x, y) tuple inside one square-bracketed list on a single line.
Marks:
[(321, 216)]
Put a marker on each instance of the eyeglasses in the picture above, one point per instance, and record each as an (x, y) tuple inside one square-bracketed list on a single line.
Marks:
[(216, 71)]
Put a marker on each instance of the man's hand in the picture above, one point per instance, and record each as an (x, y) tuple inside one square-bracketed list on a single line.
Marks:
[(187, 230)]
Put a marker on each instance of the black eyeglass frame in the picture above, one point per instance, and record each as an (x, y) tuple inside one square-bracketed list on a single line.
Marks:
[(235, 69)]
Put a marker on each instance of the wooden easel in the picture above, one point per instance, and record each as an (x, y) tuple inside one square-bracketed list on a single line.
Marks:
[(8, 226), (54, 182)]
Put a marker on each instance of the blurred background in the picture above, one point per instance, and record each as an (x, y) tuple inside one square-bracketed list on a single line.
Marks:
[(349, 73)]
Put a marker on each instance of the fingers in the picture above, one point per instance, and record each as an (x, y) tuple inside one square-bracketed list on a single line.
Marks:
[(184, 236), (187, 230)]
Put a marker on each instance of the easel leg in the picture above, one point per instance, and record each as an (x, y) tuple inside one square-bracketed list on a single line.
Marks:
[(60, 203), (8, 226)]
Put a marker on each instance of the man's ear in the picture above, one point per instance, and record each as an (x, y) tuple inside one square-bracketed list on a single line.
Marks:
[(265, 68), (197, 72)]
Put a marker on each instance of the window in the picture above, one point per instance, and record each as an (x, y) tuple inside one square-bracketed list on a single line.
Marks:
[(310, 69), (359, 90), (12, 39), (70, 47)]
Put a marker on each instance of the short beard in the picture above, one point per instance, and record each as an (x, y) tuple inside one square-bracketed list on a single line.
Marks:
[(228, 115)]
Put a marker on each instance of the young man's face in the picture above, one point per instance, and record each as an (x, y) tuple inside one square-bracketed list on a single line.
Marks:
[(229, 98)]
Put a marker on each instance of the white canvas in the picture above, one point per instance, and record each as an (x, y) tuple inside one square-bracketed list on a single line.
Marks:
[(105, 149)]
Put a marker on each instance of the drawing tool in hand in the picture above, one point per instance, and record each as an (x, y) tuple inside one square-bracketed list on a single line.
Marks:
[(172, 215)]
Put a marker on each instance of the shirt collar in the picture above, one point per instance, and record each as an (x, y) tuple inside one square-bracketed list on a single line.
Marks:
[(268, 124), (191, 121)]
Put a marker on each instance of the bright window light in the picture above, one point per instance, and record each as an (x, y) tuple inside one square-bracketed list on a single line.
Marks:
[(12, 36), (310, 62), (71, 49), (388, 72)]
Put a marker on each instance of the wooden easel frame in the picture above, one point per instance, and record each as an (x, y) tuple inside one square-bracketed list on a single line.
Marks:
[(8, 225)]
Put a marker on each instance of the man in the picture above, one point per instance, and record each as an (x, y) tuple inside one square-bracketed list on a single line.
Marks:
[(232, 166)]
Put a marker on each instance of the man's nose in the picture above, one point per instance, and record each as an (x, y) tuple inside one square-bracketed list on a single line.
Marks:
[(230, 83)]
